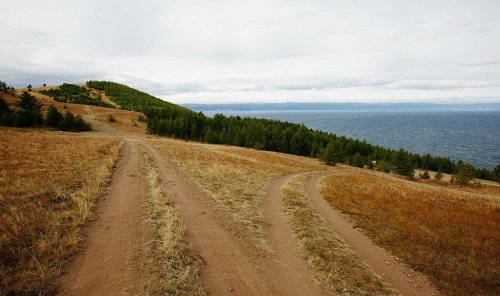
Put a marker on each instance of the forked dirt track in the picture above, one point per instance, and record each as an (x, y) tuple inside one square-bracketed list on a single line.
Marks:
[(110, 263), (231, 267), (399, 276)]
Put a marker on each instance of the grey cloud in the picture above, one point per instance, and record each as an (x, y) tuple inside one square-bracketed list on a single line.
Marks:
[(267, 49), (480, 64)]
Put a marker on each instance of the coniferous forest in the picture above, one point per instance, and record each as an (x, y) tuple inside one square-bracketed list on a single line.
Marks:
[(28, 113), (72, 93), (167, 119)]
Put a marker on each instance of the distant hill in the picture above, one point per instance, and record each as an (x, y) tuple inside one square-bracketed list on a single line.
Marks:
[(345, 106)]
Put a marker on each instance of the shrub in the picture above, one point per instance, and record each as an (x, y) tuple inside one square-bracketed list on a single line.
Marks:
[(425, 175), (438, 175), (384, 166), (111, 118)]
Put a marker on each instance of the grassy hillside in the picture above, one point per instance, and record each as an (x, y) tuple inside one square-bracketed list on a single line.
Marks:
[(167, 119)]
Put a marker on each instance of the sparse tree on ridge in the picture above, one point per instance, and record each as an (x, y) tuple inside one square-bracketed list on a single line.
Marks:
[(425, 175), (463, 174), (439, 175), (29, 87)]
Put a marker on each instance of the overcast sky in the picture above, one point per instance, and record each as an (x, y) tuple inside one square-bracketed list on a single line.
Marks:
[(260, 51)]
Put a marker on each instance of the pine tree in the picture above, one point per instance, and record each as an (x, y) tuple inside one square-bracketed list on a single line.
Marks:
[(53, 117), (331, 155), (67, 122), (403, 165), (28, 102), (81, 125), (496, 173), (439, 175), (358, 160), (30, 110), (5, 112), (463, 174)]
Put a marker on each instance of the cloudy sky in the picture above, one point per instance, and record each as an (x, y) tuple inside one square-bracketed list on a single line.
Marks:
[(260, 51)]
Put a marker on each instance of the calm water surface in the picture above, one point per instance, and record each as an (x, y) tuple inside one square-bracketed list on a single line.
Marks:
[(460, 135)]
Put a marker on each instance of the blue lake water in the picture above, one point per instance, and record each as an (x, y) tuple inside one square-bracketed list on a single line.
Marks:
[(472, 136)]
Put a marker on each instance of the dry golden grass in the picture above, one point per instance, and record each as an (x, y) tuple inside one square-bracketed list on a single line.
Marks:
[(335, 265), (174, 265), (483, 188), (452, 237), (235, 178), (48, 184)]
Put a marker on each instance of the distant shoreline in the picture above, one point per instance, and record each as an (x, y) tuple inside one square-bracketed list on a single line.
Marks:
[(344, 107)]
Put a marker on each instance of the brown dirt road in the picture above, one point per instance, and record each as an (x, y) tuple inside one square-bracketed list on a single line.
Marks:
[(399, 276), (110, 263)]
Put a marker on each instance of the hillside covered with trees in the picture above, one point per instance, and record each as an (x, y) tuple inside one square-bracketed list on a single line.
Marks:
[(27, 112), (167, 119), (72, 93)]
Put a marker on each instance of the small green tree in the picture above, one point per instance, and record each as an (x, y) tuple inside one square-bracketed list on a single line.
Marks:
[(463, 174), (28, 102), (29, 87), (67, 122), (53, 117), (439, 175), (331, 155), (5, 112), (81, 125), (358, 160), (496, 173), (403, 165), (425, 175), (384, 166), (30, 110)]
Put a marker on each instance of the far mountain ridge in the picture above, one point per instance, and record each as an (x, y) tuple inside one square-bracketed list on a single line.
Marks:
[(289, 106)]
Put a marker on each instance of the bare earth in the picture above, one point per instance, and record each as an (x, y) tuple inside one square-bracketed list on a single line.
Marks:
[(110, 263)]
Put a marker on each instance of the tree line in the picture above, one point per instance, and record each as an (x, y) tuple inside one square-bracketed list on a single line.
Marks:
[(72, 93), (28, 113), (167, 119)]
